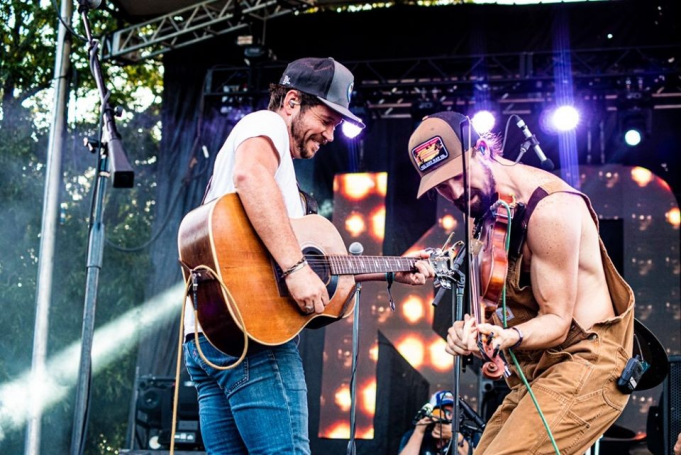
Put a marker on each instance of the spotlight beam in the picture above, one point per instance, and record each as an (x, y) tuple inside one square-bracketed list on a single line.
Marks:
[(111, 342)]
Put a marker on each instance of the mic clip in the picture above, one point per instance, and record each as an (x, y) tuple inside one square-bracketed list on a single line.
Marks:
[(531, 141)]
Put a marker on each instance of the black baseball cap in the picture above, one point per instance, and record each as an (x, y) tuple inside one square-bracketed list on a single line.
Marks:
[(326, 79)]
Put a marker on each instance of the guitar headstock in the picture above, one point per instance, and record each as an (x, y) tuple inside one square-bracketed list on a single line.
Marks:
[(446, 263)]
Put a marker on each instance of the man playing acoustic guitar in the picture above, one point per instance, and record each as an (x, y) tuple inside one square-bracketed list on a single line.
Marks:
[(569, 314), (261, 405)]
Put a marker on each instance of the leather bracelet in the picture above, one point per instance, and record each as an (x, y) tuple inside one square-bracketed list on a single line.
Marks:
[(295, 267), (520, 337)]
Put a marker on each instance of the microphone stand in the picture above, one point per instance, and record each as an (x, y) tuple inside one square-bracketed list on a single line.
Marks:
[(355, 249), (112, 163), (458, 298)]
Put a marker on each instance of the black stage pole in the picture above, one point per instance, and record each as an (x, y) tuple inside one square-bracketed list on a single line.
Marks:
[(112, 163)]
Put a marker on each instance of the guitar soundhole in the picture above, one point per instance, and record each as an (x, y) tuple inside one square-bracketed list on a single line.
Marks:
[(320, 265)]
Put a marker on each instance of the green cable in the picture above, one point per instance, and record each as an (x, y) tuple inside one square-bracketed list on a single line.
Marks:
[(515, 360)]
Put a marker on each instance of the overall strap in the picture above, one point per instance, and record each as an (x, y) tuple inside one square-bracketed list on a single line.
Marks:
[(519, 228)]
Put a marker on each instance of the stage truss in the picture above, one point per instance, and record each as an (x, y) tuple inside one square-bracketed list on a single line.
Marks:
[(192, 25), (649, 76)]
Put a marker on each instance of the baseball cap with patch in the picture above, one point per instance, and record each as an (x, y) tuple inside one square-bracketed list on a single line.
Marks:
[(435, 148), (441, 398), (326, 79)]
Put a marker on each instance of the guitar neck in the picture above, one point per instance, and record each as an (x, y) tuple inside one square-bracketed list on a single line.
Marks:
[(359, 265)]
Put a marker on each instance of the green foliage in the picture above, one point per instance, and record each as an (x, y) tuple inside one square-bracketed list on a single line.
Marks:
[(25, 32), (27, 48)]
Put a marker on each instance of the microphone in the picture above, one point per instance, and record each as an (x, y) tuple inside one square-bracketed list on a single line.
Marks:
[(425, 411), (90, 4), (472, 415), (546, 163), (356, 248)]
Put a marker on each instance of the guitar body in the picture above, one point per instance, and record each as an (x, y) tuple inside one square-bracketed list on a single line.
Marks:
[(220, 236)]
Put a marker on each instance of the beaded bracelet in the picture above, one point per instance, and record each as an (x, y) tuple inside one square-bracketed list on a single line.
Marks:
[(520, 337), (295, 267)]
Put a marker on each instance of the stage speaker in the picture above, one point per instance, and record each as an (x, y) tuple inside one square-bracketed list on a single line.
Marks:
[(153, 395), (154, 413), (671, 405)]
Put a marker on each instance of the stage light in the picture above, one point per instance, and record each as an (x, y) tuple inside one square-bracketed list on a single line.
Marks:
[(483, 122), (350, 130), (632, 137), (634, 116), (360, 108), (564, 118), (635, 125)]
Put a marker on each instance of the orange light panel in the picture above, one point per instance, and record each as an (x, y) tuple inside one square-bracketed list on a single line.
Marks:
[(369, 398), (412, 309), (641, 176), (357, 186), (412, 349), (342, 398), (440, 360), (355, 224), (673, 217), (377, 218)]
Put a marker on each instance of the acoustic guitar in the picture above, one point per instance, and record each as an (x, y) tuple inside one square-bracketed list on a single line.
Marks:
[(220, 236)]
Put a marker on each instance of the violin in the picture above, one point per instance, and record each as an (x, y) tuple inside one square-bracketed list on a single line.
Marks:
[(488, 269)]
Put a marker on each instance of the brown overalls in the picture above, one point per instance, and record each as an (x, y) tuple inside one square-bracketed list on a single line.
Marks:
[(575, 382)]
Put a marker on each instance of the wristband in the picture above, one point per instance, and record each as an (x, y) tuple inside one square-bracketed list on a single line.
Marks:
[(389, 278), (520, 337), (295, 267)]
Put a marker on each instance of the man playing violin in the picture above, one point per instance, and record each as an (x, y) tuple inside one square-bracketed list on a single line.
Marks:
[(569, 314)]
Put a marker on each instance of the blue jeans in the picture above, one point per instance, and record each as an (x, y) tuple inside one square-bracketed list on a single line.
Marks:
[(259, 407)]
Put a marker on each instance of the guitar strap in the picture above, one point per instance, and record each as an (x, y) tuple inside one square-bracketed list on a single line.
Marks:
[(205, 193), (309, 202)]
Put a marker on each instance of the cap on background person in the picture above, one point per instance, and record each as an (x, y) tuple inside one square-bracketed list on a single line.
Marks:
[(435, 148), (326, 79), (442, 398)]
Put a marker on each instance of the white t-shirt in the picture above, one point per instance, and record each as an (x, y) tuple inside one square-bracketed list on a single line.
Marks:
[(261, 123)]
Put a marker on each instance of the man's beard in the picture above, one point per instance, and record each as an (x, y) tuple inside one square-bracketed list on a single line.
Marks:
[(299, 140), (481, 199), (480, 203)]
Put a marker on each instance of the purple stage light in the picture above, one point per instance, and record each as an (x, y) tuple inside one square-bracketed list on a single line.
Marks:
[(483, 122), (564, 118), (350, 130)]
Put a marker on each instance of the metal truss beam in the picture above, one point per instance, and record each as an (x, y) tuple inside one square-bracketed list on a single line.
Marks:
[(192, 25), (511, 81)]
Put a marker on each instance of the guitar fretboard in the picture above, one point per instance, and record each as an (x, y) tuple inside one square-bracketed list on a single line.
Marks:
[(357, 265)]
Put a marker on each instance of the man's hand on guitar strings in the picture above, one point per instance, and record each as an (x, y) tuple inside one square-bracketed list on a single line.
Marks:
[(423, 273)]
